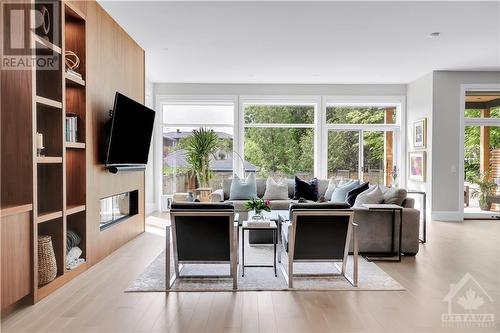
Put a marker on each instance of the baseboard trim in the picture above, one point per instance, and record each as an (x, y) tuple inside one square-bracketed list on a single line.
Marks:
[(447, 216)]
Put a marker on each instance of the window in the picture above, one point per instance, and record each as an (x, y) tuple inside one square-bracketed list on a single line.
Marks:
[(279, 139), (179, 122), (361, 141)]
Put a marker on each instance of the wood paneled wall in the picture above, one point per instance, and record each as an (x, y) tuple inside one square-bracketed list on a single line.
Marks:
[(115, 62)]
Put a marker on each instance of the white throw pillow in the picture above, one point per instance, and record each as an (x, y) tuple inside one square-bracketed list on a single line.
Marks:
[(275, 191), (370, 196), (332, 184)]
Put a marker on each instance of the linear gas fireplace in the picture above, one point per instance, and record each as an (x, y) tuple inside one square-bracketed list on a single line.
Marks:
[(118, 208)]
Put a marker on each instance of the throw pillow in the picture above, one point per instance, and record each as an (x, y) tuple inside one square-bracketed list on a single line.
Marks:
[(243, 189), (275, 191), (332, 184), (307, 190), (370, 196), (395, 196), (352, 194), (340, 193)]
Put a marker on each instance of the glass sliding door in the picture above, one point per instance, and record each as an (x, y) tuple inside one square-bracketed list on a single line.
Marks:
[(344, 154), (363, 141), (379, 158), (482, 154)]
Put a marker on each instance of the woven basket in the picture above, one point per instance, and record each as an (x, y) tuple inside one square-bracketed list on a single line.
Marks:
[(47, 265)]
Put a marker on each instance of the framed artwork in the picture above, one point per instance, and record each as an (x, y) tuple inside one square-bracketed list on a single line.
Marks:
[(418, 165), (420, 133)]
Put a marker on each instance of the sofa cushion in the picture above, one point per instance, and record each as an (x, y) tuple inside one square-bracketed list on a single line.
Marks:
[(373, 195), (243, 189), (340, 193), (352, 194), (281, 204), (275, 191), (395, 196), (306, 189)]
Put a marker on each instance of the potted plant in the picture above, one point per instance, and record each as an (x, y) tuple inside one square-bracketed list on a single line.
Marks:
[(200, 149), (487, 187), (259, 206)]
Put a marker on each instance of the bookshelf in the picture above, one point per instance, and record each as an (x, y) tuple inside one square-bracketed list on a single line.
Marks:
[(59, 173)]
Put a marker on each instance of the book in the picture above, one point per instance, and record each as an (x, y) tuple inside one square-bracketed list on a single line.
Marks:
[(71, 132), (259, 223)]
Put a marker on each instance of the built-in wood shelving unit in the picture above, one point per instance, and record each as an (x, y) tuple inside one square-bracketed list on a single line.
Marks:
[(59, 175)]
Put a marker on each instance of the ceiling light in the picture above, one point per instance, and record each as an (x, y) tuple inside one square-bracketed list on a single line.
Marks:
[(434, 35)]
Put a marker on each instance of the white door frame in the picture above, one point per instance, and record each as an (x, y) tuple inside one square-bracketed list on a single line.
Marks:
[(472, 121)]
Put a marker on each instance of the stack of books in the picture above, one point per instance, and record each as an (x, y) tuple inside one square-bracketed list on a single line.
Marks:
[(71, 128)]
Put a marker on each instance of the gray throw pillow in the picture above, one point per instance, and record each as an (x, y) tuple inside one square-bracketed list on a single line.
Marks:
[(340, 193), (243, 189), (373, 195), (395, 196), (275, 191)]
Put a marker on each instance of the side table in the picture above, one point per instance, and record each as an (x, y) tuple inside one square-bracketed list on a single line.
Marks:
[(265, 226)]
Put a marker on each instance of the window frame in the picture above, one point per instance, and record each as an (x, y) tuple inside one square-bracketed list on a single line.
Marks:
[(319, 125), (314, 101)]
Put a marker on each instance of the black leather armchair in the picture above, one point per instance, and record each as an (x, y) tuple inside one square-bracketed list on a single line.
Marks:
[(202, 233), (319, 233)]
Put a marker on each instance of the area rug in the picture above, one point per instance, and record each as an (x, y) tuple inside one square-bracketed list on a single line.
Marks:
[(371, 277)]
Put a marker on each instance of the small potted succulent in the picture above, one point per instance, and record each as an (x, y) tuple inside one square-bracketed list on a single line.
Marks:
[(259, 206)]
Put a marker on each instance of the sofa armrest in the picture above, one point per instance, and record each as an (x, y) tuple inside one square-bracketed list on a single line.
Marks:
[(217, 196)]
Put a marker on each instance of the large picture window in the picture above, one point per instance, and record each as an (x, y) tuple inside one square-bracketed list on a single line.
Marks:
[(179, 122), (307, 136), (279, 139)]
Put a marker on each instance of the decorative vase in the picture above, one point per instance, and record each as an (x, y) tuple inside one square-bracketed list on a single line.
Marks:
[(258, 216), (485, 205)]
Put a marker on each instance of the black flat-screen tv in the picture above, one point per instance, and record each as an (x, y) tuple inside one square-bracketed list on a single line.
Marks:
[(129, 134)]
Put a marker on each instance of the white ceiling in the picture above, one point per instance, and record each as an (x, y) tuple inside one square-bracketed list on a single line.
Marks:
[(304, 42)]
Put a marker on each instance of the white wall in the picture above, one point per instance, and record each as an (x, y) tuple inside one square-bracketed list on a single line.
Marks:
[(445, 135), (149, 174), (419, 105), (281, 89)]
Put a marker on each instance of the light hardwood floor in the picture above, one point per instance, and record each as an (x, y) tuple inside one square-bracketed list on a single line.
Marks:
[(95, 301)]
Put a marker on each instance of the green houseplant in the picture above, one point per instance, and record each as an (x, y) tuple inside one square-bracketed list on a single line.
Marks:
[(487, 188), (200, 149)]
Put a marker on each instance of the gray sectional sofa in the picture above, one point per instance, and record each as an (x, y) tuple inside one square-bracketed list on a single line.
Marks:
[(375, 227)]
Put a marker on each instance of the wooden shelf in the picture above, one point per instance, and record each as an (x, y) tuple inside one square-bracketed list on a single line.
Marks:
[(48, 160), (75, 145), (72, 81), (15, 209), (75, 271), (73, 209), (44, 217), (48, 102), (59, 281), (46, 43)]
